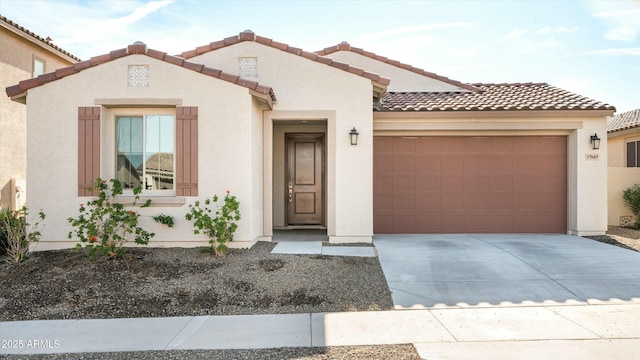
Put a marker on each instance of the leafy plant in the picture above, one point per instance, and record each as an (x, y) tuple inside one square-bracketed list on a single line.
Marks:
[(164, 219), (104, 225), (631, 198), (220, 227), (16, 234)]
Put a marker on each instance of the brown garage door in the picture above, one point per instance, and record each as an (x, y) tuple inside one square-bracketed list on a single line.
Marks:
[(470, 184)]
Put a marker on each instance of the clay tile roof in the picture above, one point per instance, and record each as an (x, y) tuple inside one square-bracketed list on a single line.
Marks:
[(141, 49), (249, 35), (46, 42), (623, 121), (492, 97), (345, 46)]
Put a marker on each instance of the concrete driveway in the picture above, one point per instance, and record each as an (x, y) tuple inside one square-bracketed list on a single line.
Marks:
[(426, 271)]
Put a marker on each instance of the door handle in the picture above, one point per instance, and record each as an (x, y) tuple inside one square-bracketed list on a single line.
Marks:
[(290, 191)]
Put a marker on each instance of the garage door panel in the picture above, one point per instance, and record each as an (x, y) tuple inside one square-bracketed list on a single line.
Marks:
[(452, 145), (428, 204), (404, 163), (452, 183), (406, 223), (426, 164), (404, 204), (527, 164), (470, 184), (383, 184), (501, 164), (383, 163), (501, 145), (404, 145), (452, 164), (477, 201), (404, 183), (477, 223), (502, 202), (501, 183), (477, 183), (428, 183), (477, 164), (452, 202)]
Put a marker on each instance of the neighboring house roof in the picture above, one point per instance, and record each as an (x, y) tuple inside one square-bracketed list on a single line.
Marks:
[(140, 49), (249, 35), (345, 46), (30, 35), (492, 97), (623, 121), (159, 161)]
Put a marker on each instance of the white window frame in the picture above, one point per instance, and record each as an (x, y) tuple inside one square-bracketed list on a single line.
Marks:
[(111, 152), (36, 60)]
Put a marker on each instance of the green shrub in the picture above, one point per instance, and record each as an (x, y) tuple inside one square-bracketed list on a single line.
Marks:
[(104, 225), (219, 228), (16, 234), (631, 198), (164, 219)]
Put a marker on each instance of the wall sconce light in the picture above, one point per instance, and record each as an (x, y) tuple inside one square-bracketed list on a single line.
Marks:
[(354, 136), (595, 142)]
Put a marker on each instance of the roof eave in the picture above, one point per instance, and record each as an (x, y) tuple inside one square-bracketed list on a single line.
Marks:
[(412, 114), (37, 41)]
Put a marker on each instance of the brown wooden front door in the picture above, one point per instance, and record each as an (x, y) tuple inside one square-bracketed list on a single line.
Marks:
[(304, 180)]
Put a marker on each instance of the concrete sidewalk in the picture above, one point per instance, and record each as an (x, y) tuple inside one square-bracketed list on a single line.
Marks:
[(585, 332)]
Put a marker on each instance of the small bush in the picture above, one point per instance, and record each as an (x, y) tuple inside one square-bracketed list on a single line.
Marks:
[(104, 225), (219, 228), (164, 219), (16, 234), (631, 198)]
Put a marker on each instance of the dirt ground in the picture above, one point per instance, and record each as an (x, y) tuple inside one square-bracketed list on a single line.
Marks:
[(154, 282)]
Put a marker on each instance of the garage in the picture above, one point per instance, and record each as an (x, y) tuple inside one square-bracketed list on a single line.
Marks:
[(469, 184)]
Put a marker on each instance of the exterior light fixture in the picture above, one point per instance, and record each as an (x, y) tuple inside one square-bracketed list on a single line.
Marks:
[(354, 136), (595, 142)]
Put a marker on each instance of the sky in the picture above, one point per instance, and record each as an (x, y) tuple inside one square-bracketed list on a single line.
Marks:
[(591, 48)]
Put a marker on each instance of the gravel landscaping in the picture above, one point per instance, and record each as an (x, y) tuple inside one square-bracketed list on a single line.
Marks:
[(159, 282)]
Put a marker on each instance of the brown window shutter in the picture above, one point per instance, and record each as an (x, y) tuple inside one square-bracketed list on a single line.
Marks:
[(187, 151), (88, 149)]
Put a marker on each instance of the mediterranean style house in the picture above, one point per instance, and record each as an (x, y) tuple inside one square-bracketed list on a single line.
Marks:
[(340, 139), (24, 55), (623, 139)]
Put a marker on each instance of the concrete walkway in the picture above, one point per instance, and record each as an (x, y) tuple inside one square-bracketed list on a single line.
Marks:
[(581, 332)]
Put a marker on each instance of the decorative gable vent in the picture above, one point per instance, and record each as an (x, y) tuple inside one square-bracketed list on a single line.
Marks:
[(248, 67), (138, 75)]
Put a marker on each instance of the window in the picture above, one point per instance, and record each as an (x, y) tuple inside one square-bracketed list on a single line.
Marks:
[(145, 152), (38, 66), (633, 154)]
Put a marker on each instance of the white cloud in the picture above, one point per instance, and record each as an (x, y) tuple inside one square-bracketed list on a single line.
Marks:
[(620, 19), (619, 51), (394, 33), (514, 34), (617, 13), (557, 30), (462, 52), (622, 33)]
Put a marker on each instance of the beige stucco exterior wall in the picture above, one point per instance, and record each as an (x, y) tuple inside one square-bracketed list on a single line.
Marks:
[(586, 179), (227, 160), (620, 177), (16, 62), (308, 90), (401, 79)]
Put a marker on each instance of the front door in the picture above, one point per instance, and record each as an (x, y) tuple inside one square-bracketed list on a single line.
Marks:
[(304, 179)]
